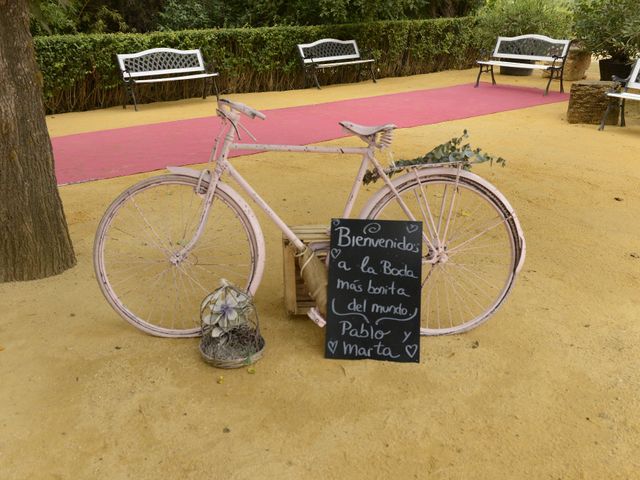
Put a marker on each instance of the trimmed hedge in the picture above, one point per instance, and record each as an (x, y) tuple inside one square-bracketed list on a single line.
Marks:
[(80, 71)]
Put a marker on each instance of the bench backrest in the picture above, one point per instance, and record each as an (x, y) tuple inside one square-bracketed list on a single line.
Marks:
[(531, 47), (327, 50), (634, 79), (159, 61)]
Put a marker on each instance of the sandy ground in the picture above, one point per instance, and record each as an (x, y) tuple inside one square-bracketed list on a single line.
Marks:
[(552, 390)]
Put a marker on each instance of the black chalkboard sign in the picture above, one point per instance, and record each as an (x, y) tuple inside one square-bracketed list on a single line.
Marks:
[(373, 308)]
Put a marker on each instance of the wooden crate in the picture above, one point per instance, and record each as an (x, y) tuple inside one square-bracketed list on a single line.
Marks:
[(296, 298)]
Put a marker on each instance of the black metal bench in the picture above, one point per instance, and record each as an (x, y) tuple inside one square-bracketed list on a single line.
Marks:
[(513, 51), (620, 93), (163, 65), (331, 53)]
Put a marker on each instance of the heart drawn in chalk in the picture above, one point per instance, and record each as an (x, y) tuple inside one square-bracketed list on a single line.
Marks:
[(411, 350), (332, 345), (412, 227), (335, 253)]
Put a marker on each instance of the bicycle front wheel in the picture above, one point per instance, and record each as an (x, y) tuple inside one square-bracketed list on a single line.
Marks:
[(472, 244), (147, 225)]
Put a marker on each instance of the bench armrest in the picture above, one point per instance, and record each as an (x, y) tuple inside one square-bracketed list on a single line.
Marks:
[(485, 54), (210, 67), (619, 81), (303, 58), (555, 59), (367, 53), (619, 84), (126, 76)]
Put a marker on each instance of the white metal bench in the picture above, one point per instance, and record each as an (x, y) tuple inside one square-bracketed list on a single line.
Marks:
[(331, 53), (163, 65), (550, 52), (620, 93)]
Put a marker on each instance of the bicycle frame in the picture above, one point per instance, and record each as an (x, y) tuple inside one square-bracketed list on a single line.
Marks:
[(222, 165)]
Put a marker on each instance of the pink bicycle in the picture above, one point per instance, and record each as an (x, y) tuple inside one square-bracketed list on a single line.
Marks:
[(164, 243)]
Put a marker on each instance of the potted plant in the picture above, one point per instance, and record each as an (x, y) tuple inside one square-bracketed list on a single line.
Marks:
[(610, 29), (577, 63), (510, 18)]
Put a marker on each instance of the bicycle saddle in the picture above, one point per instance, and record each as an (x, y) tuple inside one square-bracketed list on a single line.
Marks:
[(364, 131)]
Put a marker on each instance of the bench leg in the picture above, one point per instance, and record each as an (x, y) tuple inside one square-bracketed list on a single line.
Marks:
[(622, 121), (305, 77), (215, 88), (485, 69), (478, 79), (606, 114), (130, 93), (546, 90), (206, 87), (127, 94), (373, 74), (555, 73), (133, 95), (308, 73)]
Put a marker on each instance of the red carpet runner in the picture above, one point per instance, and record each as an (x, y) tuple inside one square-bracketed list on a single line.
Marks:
[(124, 151)]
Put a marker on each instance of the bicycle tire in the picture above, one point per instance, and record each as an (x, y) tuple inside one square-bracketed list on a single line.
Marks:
[(469, 267), (138, 235)]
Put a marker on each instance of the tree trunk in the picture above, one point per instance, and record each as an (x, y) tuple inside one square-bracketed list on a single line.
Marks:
[(34, 239)]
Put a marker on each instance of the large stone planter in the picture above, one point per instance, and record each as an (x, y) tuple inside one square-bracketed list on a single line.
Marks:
[(588, 102), (577, 64)]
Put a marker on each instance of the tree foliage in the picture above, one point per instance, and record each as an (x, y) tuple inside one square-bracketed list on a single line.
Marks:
[(110, 16), (94, 16), (609, 28), (510, 18)]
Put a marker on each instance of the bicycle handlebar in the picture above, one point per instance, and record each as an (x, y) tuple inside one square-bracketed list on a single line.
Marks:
[(242, 108)]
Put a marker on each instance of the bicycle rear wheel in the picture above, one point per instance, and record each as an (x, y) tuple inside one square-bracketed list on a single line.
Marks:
[(472, 245), (143, 229)]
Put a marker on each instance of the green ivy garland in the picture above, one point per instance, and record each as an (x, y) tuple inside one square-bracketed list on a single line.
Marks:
[(452, 152)]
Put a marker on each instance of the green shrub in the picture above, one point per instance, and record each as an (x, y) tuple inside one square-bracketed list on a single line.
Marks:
[(510, 18), (609, 28), (80, 71)]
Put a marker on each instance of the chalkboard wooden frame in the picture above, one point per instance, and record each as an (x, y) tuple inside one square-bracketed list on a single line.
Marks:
[(375, 272)]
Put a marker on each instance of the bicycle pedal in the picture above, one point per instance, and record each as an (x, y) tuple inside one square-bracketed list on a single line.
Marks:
[(316, 318)]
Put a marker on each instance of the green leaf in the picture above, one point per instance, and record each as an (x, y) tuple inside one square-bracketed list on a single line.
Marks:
[(449, 153)]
